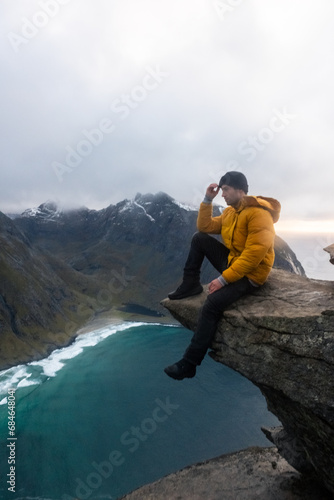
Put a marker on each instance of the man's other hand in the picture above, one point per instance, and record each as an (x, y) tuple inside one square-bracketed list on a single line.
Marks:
[(215, 285)]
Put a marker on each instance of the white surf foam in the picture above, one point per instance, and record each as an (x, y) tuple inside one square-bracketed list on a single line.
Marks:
[(37, 372)]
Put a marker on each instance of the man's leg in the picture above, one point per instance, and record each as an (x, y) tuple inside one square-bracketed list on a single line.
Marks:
[(202, 245), (208, 320), (210, 315)]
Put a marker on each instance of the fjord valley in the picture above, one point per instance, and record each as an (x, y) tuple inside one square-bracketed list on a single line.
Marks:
[(108, 271), (62, 268)]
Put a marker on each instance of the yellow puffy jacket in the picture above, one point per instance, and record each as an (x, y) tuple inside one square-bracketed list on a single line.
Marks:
[(248, 232)]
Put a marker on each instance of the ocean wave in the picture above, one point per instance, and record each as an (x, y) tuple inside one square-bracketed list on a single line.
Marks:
[(37, 372)]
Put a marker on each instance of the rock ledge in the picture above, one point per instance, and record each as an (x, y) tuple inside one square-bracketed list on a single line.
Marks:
[(252, 474), (282, 339)]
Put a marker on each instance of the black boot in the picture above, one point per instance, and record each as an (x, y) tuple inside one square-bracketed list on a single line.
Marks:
[(180, 370), (190, 286)]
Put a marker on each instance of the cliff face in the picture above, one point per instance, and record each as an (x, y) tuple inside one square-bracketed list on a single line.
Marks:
[(252, 474), (330, 250), (282, 339)]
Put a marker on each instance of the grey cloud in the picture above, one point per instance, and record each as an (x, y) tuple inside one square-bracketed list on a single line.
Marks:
[(214, 111)]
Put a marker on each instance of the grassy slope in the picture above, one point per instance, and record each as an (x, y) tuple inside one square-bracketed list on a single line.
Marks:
[(42, 300)]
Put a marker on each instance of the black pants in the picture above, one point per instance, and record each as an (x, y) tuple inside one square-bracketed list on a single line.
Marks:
[(203, 245)]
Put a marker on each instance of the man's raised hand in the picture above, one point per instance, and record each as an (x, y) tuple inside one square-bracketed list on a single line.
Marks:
[(212, 191)]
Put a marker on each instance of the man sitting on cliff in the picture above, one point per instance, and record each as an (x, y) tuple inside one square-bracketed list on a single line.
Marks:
[(244, 260)]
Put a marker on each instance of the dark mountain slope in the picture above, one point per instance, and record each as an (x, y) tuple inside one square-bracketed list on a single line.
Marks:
[(58, 269), (145, 239), (39, 298)]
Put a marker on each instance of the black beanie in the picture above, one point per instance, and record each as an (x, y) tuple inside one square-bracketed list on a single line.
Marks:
[(237, 180)]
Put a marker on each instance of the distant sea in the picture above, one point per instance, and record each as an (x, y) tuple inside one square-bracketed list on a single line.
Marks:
[(100, 418), (308, 248)]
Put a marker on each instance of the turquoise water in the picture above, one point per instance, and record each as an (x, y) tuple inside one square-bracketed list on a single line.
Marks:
[(100, 418)]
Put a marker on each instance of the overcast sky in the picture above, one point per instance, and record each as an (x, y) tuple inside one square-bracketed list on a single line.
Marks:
[(102, 99)]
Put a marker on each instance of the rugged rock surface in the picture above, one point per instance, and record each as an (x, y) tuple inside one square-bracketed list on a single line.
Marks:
[(252, 474), (330, 250), (282, 339)]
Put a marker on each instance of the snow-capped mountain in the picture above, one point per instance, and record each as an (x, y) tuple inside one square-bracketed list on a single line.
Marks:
[(48, 210), (149, 236), (60, 267)]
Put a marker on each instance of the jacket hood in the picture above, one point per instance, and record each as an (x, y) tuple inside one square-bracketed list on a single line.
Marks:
[(273, 206)]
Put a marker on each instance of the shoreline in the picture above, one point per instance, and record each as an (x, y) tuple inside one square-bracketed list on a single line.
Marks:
[(98, 322), (102, 320)]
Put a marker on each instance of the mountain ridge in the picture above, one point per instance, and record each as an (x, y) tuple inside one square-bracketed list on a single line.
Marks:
[(119, 259)]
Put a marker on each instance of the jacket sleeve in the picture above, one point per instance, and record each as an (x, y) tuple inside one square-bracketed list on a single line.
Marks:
[(260, 239), (205, 222)]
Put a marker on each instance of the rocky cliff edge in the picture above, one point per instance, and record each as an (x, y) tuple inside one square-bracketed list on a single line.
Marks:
[(282, 339)]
